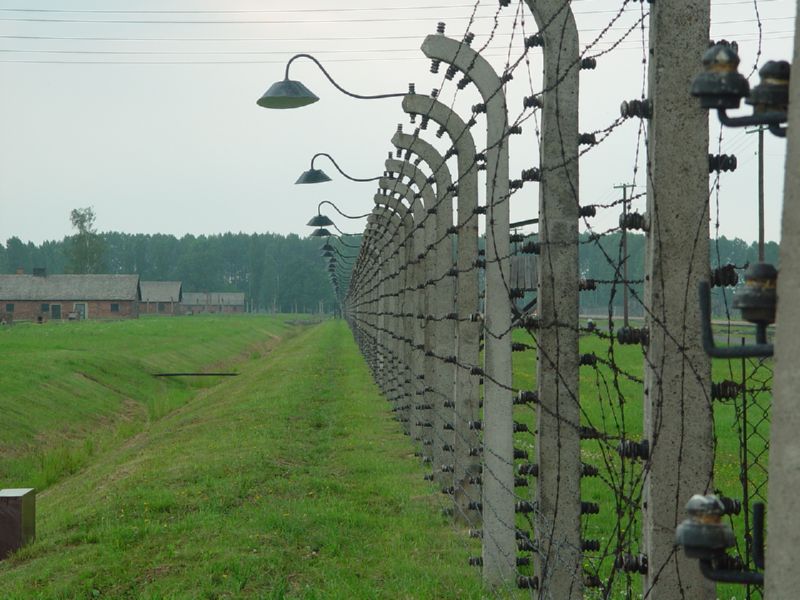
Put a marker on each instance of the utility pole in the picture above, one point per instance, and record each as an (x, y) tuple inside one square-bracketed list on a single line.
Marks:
[(760, 131), (624, 187)]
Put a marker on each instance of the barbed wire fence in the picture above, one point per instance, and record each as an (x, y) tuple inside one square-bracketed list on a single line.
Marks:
[(567, 481)]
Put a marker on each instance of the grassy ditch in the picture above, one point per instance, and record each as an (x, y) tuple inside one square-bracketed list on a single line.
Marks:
[(289, 481)]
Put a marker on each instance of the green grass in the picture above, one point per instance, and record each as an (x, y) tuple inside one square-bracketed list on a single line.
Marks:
[(289, 481)]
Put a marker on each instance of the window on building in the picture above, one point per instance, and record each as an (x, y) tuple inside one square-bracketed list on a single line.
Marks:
[(9, 308), (45, 307), (114, 307)]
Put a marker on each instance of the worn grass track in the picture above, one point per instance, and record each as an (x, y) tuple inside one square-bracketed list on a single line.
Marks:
[(289, 481)]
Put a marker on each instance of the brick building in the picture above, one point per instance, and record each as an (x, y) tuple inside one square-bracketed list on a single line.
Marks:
[(213, 302), (42, 297), (161, 297)]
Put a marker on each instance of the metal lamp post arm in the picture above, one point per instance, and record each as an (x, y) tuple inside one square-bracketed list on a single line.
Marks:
[(338, 168), (336, 85)]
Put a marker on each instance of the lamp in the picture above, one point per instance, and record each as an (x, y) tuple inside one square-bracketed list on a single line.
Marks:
[(293, 94), (321, 232), (320, 220), (319, 176)]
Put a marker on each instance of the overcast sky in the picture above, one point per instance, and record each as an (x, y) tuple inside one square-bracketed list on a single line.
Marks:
[(150, 116)]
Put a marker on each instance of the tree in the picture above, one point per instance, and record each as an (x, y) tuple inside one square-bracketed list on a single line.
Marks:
[(86, 249)]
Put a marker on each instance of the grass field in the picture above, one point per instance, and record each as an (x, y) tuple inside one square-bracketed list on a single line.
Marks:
[(288, 481)]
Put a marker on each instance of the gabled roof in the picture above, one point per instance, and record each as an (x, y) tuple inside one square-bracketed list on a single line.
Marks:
[(161, 291), (69, 287), (213, 298)]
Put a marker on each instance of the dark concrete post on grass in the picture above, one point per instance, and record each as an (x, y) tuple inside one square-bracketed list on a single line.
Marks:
[(782, 574), (677, 411), (439, 331), (424, 230), (499, 530), (400, 254), (466, 466), (441, 291), (558, 449)]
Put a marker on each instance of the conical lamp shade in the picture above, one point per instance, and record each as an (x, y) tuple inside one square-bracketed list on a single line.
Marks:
[(327, 254), (313, 176), (287, 94), (327, 247), (320, 221), (321, 232)]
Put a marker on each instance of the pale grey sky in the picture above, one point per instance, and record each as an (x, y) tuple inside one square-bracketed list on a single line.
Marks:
[(152, 120)]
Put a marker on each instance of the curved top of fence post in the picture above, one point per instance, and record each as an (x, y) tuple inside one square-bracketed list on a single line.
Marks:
[(556, 24), (430, 155), (405, 168), (462, 140)]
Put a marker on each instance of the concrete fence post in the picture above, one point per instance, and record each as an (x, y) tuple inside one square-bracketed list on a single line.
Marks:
[(677, 411), (466, 466), (498, 504), (782, 577), (441, 291)]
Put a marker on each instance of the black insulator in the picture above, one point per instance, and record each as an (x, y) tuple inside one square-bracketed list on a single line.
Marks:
[(593, 581), (588, 63), (529, 469), (633, 450), (448, 427), (435, 66), (475, 561), (520, 482), (731, 506), (721, 162), (587, 139), (637, 108), (724, 276), (423, 407), (515, 184), (526, 545), (479, 263), (532, 174), (725, 390), (424, 424), (475, 425), (589, 470), (632, 563), (506, 77), (516, 293), (475, 451), (475, 533), (534, 41), (633, 220), (527, 582), (476, 371), (532, 102), (452, 229), (440, 27), (475, 480), (524, 506), (479, 210), (531, 248), (728, 563), (590, 508), (589, 433), (520, 454), (587, 211), (428, 477), (424, 123), (588, 360), (590, 545), (453, 189), (449, 404), (451, 360), (481, 252), (528, 322), (523, 561), (526, 397), (632, 335), (450, 152), (519, 427), (515, 130), (475, 506), (439, 133), (449, 491), (463, 82), (587, 285), (468, 37), (518, 347), (479, 108), (451, 72)]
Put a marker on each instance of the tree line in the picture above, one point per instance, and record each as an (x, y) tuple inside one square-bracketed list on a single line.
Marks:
[(286, 273)]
